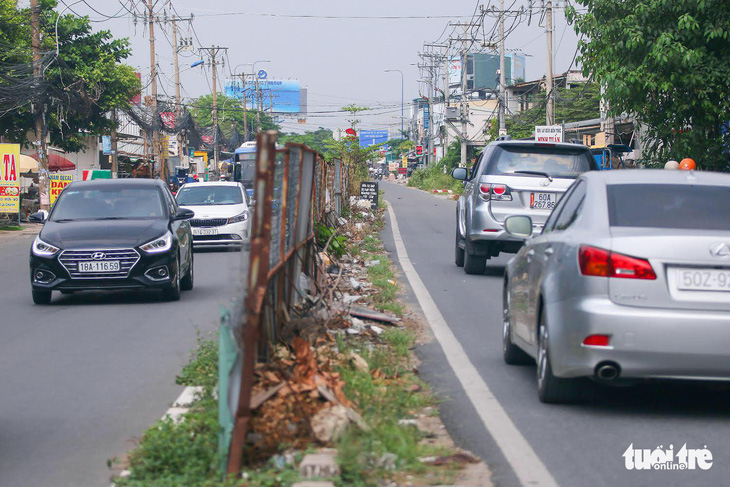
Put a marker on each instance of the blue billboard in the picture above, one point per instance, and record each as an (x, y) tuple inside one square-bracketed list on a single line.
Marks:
[(276, 96), (373, 137)]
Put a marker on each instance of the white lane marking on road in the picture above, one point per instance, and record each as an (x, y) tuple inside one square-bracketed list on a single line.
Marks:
[(175, 412), (524, 461)]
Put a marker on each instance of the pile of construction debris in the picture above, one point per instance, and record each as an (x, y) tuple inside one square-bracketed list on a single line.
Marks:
[(298, 397)]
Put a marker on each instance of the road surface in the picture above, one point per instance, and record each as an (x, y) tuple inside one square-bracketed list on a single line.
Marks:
[(85, 375), (578, 445)]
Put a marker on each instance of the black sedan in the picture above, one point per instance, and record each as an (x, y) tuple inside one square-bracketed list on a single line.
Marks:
[(113, 234)]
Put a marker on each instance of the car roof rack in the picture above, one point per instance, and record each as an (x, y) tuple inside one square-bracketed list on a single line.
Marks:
[(504, 137)]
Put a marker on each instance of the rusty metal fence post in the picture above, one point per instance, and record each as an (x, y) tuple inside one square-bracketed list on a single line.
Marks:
[(290, 197)]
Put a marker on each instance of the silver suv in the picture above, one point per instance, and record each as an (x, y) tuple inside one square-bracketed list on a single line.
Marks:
[(511, 178)]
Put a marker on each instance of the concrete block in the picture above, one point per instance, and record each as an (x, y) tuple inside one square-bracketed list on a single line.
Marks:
[(322, 464)]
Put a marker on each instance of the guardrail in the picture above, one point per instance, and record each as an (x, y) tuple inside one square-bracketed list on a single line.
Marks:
[(294, 190)]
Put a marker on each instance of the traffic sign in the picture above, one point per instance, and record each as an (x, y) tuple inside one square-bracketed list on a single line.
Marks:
[(419, 150)]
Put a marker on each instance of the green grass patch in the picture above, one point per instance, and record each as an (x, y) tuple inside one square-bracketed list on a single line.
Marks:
[(433, 177), (10, 228), (383, 278), (393, 393)]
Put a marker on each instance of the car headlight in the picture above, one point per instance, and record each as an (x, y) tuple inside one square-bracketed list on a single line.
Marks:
[(43, 249), (160, 244), (239, 218)]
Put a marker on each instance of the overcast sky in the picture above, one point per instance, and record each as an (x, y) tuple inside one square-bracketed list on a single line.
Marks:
[(338, 50)]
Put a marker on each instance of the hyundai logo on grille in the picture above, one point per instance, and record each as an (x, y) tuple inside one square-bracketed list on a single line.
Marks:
[(720, 249), (98, 255)]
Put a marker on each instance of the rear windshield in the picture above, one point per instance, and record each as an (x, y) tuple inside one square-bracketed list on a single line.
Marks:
[(209, 195), (675, 206), (556, 162)]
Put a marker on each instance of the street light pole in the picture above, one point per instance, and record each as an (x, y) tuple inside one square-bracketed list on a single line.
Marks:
[(401, 96)]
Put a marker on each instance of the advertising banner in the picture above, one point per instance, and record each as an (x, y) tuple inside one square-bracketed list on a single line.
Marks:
[(9, 178), (106, 144), (58, 182), (277, 96), (373, 137)]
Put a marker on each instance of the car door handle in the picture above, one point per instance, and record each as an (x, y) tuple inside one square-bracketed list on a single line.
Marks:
[(549, 251), (530, 253)]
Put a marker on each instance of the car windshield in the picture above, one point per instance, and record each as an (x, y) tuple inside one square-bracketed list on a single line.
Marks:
[(675, 206), (555, 162), (108, 203), (209, 195)]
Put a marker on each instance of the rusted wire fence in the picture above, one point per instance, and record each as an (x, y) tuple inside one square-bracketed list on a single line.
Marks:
[(294, 191)]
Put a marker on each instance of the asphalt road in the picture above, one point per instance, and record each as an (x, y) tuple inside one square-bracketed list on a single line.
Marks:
[(579, 444), (82, 377)]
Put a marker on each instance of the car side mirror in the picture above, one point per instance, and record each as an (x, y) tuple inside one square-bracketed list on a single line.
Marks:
[(38, 216), (519, 226), (460, 173), (184, 214)]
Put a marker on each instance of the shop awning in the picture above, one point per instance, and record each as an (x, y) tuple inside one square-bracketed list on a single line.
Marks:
[(56, 162), (28, 164)]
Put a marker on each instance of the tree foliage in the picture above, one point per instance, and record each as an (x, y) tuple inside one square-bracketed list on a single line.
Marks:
[(230, 115), (318, 140), (571, 105), (666, 61), (85, 81)]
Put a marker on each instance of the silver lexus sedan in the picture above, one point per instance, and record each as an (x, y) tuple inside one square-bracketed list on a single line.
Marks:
[(630, 278)]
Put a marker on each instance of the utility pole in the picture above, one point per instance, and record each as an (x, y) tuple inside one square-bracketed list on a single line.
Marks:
[(158, 168), (430, 115), (502, 78), (258, 104), (213, 53), (175, 50), (39, 115), (464, 106), (113, 157), (549, 117)]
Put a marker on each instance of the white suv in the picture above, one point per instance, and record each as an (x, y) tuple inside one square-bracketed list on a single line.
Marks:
[(221, 212), (511, 178)]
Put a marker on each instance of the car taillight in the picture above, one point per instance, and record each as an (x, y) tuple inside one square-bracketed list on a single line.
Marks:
[(597, 340), (631, 267), (594, 261), (497, 192)]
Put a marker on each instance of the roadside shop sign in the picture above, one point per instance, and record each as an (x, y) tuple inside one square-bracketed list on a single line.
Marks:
[(369, 191), (58, 183), (89, 174), (548, 133), (9, 178)]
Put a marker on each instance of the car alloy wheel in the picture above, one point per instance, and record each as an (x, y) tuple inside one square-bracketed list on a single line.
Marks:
[(513, 355), (551, 389), (172, 293), (41, 297), (187, 282), (458, 251)]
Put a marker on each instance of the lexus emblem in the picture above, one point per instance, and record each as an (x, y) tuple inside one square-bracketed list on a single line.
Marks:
[(720, 249), (98, 255), (545, 182)]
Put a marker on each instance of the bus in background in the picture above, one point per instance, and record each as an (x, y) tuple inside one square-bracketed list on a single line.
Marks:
[(243, 168)]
